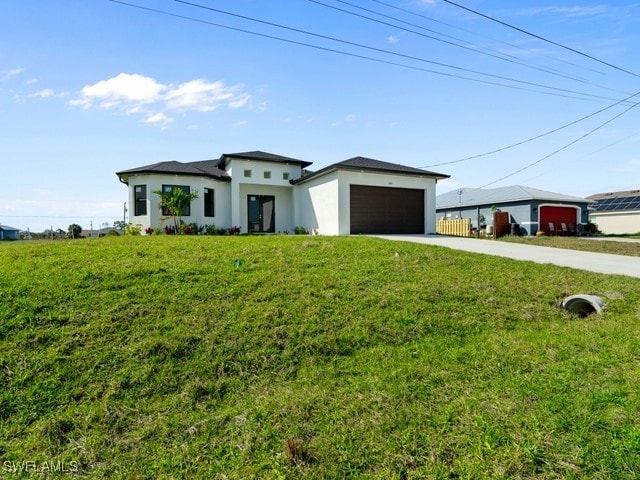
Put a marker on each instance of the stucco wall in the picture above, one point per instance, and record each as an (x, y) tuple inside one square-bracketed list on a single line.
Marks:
[(317, 204), (327, 198), (617, 223), (322, 202), (222, 208), (236, 167), (257, 184), (283, 205)]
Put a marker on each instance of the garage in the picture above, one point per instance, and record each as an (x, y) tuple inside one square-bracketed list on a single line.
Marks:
[(386, 210), (557, 215)]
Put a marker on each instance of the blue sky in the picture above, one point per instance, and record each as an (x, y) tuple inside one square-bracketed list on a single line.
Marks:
[(88, 88)]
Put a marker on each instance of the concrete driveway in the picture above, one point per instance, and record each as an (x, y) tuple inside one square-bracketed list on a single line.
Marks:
[(593, 262)]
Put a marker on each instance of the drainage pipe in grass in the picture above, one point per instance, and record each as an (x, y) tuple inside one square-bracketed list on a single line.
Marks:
[(583, 304)]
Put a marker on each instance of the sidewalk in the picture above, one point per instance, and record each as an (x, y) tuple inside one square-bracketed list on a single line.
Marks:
[(593, 262)]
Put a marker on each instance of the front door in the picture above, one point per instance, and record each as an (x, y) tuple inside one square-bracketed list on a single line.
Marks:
[(261, 213)]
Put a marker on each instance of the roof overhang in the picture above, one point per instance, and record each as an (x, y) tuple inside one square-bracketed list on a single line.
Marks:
[(261, 157), (384, 171)]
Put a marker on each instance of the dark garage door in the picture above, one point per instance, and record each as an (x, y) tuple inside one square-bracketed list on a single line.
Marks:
[(386, 210)]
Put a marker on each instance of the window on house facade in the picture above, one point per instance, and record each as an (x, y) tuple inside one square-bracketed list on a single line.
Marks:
[(285, 176), (267, 174), (209, 202), (247, 173), (186, 189), (140, 200)]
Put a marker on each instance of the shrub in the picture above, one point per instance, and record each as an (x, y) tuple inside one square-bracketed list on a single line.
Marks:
[(300, 231), (199, 229), (149, 230), (233, 230), (131, 229)]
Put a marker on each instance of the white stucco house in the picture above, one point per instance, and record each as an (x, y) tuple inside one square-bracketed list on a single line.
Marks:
[(616, 213), (261, 192)]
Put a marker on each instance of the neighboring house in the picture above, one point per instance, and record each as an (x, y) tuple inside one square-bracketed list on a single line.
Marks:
[(9, 233), (529, 209), (98, 232), (266, 193), (616, 212)]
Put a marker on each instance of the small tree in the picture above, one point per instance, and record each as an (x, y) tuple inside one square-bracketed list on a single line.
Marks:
[(175, 203), (74, 231), (119, 224)]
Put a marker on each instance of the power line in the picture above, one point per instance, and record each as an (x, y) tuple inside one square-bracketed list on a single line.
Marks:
[(539, 37), (380, 50), (481, 36), (487, 52), (360, 45), (565, 93), (60, 216), (582, 137), (522, 142)]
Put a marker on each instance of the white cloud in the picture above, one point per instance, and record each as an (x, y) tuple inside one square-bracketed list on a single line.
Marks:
[(203, 96), (132, 94), (46, 93), (124, 89), (239, 124), (392, 40), (12, 73), (240, 101), (32, 81), (347, 119), (158, 118), (577, 11)]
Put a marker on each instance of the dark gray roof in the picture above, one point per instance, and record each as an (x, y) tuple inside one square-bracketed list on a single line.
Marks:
[(208, 168), (262, 156), (369, 164), (8, 228), (471, 197), (624, 194), (616, 201)]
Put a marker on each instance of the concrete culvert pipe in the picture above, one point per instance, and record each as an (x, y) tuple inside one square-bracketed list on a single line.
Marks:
[(583, 304)]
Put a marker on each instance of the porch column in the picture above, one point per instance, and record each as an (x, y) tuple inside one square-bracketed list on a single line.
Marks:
[(235, 205)]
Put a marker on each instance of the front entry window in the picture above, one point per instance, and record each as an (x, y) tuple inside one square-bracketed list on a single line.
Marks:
[(140, 196), (261, 213)]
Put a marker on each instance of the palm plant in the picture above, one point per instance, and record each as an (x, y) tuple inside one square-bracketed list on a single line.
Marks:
[(175, 202)]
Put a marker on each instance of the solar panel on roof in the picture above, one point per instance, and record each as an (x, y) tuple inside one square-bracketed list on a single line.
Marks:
[(617, 204)]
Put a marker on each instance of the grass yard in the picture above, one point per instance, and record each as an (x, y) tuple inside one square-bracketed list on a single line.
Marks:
[(288, 357), (600, 245)]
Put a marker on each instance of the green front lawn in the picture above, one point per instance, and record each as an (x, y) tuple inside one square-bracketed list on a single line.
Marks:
[(586, 244), (310, 357)]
